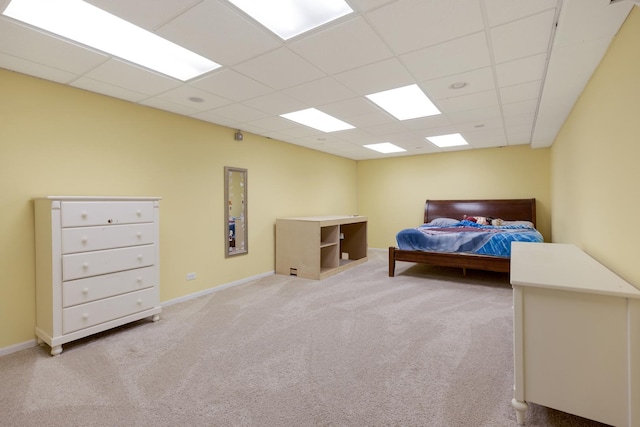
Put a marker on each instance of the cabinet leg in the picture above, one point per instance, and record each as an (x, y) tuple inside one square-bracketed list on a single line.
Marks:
[(56, 350), (521, 409), (155, 317)]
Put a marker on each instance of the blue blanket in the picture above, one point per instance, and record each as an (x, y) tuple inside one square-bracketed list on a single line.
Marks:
[(467, 236)]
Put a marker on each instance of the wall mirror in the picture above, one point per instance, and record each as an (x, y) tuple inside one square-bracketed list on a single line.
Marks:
[(235, 215)]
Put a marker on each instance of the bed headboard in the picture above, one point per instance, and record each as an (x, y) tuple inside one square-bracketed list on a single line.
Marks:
[(507, 209)]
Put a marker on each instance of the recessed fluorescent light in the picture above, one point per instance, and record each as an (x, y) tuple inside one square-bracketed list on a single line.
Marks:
[(451, 140), (86, 24), (288, 18), (317, 119), (385, 147), (408, 102)]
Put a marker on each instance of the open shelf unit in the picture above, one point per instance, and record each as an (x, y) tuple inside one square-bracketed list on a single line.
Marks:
[(317, 247)]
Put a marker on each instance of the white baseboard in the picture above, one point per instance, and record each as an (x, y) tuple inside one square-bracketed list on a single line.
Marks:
[(32, 343), (17, 347), (216, 289)]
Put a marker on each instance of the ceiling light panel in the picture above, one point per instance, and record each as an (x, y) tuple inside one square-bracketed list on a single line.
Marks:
[(404, 103), (318, 120), (289, 18), (385, 148), (91, 26), (444, 141)]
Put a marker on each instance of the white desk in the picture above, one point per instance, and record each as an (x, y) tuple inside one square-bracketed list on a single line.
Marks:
[(576, 335)]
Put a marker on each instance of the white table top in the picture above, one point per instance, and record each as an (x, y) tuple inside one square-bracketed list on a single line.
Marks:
[(564, 267)]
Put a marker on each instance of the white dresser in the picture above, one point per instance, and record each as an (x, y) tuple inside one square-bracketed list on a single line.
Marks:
[(576, 335), (97, 265)]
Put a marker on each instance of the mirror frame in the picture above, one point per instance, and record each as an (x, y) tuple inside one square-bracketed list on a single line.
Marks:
[(227, 253)]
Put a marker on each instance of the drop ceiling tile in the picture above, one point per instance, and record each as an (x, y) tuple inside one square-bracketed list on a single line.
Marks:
[(354, 107), (108, 89), (301, 131), (163, 104), (239, 112), (35, 46), (521, 70), (479, 115), (477, 81), (360, 137), (230, 84), (211, 117), (520, 120), (131, 77), (519, 135), (280, 69), (367, 5), (450, 57), (493, 124), (503, 11), (216, 31), (525, 37), (444, 130), (376, 77), (427, 123), (276, 103), (528, 106), (521, 92), (374, 119), (349, 45), (182, 94), (320, 92), (147, 14), (408, 25), (252, 129), (486, 138), (487, 98), (24, 66), (273, 123)]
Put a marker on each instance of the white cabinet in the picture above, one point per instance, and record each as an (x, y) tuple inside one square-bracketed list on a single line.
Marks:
[(320, 246), (576, 340), (97, 265)]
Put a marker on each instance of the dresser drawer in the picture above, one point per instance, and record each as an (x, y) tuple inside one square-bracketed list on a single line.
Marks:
[(81, 291), (84, 239), (93, 313), (77, 214), (86, 264)]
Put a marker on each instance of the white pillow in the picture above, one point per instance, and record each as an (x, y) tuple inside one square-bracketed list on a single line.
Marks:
[(443, 222)]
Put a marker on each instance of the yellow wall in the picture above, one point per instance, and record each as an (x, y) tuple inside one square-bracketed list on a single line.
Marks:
[(595, 161), (392, 192), (56, 140)]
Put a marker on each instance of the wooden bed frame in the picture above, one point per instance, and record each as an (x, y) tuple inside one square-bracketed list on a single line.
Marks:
[(507, 209)]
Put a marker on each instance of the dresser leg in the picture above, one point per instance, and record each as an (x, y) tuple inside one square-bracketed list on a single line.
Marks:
[(155, 317), (56, 350), (521, 409)]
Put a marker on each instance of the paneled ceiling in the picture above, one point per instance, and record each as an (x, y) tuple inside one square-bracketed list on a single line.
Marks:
[(524, 63)]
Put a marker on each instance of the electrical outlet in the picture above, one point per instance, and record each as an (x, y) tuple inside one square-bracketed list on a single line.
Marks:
[(191, 276)]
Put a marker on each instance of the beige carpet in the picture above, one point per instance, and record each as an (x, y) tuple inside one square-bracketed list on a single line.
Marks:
[(426, 348)]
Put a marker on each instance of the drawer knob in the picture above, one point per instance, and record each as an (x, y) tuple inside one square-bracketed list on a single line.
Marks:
[(83, 214), (85, 316), (138, 212), (84, 239), (139, 279), (85, 265), (139, 234), (139, 302), (85, 291), (140, 257)]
